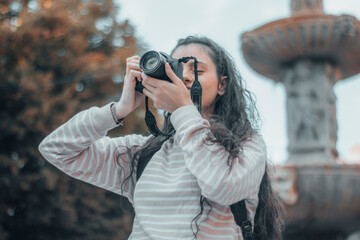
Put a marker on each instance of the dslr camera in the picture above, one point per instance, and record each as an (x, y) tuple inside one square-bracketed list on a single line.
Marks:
[(153, 65)]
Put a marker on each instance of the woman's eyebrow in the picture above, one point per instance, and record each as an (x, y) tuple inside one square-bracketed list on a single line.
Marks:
[(199, 62)]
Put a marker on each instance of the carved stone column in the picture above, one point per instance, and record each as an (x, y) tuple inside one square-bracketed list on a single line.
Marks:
[(311, 111), (306, 7)]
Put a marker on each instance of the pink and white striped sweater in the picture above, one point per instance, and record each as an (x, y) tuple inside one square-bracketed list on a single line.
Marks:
[(166, 198)]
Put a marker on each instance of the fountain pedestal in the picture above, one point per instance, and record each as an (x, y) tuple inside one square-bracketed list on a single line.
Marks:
[(309, 52), (311, 111)]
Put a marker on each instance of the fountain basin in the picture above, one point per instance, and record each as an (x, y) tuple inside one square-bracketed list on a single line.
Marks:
[(320, 197), (335, 39)]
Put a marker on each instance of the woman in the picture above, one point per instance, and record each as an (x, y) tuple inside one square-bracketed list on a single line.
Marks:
[(209, 162)]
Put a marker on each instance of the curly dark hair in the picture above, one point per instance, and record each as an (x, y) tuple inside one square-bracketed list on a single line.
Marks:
[(231, 125)]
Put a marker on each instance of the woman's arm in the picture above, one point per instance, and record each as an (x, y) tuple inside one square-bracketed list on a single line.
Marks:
[(80, 149), (208, 162)]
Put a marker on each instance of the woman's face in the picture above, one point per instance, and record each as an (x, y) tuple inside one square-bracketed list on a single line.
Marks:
[(207, 74)]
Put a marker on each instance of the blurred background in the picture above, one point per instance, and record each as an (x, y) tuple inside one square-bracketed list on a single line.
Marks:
[(60, 57)]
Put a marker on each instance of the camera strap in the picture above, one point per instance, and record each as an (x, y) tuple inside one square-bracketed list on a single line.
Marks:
[(195, 92), (196, 89), (150, 121)]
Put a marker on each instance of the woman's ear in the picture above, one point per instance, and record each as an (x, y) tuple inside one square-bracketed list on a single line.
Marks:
[(222, 85)]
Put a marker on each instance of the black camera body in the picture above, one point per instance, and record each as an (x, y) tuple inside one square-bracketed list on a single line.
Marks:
[(153, 65)]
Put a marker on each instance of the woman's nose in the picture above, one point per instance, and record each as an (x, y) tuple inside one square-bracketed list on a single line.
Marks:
[(187, 77)]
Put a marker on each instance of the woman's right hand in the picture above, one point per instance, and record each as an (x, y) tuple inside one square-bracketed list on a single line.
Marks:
[(130, 99)]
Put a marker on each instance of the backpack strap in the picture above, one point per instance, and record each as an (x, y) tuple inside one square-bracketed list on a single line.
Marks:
[(141, 167), (240, 215)]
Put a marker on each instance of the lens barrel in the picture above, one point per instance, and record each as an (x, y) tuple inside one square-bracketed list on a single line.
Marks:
[(150, 61), (153, 64)]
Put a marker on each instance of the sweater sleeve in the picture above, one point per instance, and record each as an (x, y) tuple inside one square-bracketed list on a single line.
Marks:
[(80, 149), (208, 162)]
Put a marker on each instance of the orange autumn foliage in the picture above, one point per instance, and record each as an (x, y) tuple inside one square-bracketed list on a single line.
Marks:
[(57, 58)]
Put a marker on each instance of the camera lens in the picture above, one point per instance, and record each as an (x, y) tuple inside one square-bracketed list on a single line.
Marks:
[(151, 63)]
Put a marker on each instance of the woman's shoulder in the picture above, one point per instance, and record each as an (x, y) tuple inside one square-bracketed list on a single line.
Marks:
[(256, 143)]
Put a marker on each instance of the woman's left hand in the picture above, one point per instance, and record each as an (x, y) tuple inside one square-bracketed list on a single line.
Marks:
[(166, 95)]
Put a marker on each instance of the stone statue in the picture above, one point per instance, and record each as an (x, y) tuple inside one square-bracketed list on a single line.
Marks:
[(310, 101)]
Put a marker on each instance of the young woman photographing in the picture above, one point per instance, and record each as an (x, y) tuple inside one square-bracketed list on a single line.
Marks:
[(203, 164)]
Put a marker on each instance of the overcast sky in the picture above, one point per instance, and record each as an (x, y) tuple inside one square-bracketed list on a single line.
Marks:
[(161, 22)]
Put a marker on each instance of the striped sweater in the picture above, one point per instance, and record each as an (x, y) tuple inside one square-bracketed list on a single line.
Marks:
[(166, 197)]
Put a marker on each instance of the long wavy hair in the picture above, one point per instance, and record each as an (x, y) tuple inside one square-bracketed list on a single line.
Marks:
[(233, 122)]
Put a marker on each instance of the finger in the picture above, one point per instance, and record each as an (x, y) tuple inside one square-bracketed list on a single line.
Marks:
[(134, 62), (170, 73), (135, 75), (149, 87), (133, 66), (132, 58), (149, 94), (149, 81)]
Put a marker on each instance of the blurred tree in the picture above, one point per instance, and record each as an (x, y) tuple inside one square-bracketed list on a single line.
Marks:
[(57, 58)]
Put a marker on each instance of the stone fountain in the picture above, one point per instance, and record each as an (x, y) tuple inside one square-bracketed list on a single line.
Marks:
[(309, 52)]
